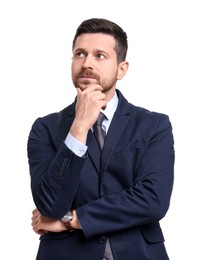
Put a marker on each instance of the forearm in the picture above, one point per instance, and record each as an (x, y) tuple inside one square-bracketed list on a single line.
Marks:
[(53, 185), (129, 209)]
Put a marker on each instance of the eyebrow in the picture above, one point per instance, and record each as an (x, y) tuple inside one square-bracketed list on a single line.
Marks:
[(95, 50)]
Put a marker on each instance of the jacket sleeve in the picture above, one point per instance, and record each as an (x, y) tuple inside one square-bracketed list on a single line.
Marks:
[(148, 199), (52, 184)]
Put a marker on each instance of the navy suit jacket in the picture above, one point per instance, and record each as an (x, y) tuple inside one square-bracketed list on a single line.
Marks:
[(121, 194)]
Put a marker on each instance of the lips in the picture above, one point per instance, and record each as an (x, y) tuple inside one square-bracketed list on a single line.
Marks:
[(86, 77), (86, 80)]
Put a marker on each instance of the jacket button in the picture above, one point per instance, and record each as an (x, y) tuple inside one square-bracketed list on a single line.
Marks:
[(62, 168), (66, 160), (60, 173), (102, 240)]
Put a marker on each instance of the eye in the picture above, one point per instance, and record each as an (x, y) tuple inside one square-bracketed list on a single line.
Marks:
[(100, 56), (79, 54)]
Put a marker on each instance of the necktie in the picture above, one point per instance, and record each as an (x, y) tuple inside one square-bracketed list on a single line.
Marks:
[(99, 131), (100, 135)]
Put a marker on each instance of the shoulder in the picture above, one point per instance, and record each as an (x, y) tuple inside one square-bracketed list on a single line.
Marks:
[(145, 122), (146, 115), (140, 114), (149, 122), (53, 123), (55, 117)]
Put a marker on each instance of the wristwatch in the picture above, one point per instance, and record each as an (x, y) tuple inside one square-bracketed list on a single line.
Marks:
[(68, 217)]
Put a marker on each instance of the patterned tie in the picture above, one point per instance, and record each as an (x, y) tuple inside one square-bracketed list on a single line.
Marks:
[(99, 131), (100, 136)]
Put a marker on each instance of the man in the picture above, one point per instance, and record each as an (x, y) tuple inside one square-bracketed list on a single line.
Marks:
[(100, 202)]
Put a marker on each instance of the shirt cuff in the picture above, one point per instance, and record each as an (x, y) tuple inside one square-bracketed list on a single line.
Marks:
[(75, 146)]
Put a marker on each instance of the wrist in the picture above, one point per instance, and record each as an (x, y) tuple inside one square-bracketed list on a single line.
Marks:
[(70, 220), (68, 217), (79, 132)]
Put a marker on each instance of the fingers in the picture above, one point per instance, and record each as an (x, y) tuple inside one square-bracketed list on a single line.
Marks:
[(75, 222), (35, 214), (91, 87), (91, 97), (34, 211), (92, 91), (35, 221)]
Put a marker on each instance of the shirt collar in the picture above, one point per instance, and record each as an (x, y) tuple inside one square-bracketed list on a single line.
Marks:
[(111, 107)]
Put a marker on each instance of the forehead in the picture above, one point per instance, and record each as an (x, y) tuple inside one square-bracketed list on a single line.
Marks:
[(99, 41)]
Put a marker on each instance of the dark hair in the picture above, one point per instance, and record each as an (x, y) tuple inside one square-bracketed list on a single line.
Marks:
[(99, 25)]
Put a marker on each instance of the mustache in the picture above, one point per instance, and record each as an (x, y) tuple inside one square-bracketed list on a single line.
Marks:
[(87, 73)]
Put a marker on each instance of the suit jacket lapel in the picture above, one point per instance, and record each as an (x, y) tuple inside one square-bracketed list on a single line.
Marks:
[(114, 134), (117, 126)]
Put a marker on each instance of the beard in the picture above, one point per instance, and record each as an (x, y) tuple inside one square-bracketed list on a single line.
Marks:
[(80, 80)]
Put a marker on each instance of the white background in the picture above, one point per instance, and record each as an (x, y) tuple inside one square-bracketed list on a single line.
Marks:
[(35, 79)]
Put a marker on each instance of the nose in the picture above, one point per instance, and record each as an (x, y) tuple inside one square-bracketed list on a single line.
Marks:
[(88, 62)]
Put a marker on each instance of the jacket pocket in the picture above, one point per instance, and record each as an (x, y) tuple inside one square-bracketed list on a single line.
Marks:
[(153, 233)]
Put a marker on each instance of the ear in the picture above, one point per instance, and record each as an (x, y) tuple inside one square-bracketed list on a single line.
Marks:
[(122, 69)]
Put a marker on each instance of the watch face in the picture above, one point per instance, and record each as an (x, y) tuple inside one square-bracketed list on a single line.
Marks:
[(67, 217)]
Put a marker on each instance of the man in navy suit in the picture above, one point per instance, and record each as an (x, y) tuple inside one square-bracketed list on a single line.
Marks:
[(95, 204)]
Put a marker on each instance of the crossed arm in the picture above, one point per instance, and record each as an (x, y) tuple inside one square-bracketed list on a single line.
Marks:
[(42, 224), (95, 99)]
